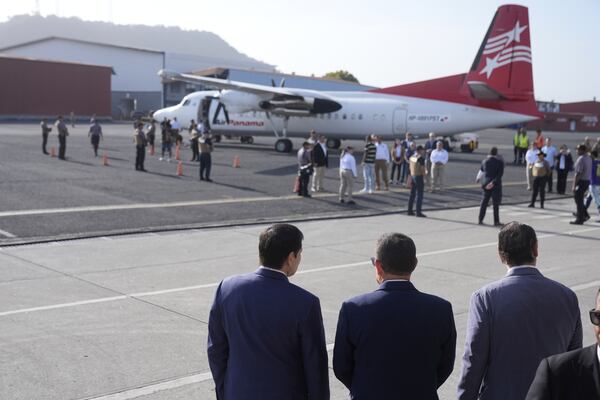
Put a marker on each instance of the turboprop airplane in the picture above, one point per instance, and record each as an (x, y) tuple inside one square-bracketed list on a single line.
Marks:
[(496, 91)]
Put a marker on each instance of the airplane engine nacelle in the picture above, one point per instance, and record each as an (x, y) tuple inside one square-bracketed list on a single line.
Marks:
[(240, 102)]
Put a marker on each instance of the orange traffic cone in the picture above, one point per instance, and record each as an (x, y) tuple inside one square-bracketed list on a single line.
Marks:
[(151, 152), (177, 153), (180, 169), (236, 162), (52, 152), (105, 160)]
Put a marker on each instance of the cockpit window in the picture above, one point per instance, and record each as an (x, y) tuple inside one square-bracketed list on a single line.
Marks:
[(185, 103)]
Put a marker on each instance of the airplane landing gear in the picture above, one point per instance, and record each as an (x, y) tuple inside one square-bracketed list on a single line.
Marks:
[(283, 146), (334, 143), (217, 138), (247, 139)]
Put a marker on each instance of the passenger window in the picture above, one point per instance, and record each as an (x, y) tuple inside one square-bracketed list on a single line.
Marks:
[(360, 116), (344, 116), (353, 116), (336, 116), (374, 117)]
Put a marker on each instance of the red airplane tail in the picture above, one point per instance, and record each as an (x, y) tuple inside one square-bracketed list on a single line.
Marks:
[(501, 76), (502, 68)]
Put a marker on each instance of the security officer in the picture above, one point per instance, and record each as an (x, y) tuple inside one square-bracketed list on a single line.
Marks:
[(45, 131), (139, 138), (523, 145), (63, 132), (417, 173)]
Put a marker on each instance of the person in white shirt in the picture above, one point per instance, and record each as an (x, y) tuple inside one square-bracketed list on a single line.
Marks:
[(439, 159), (347, 175), (551, 152), (382, 158), (530, 159)]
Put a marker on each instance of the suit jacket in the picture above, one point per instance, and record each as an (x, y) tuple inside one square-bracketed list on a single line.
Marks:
[(394, 343), (266, 340), (320, 159), (513, 324), (570, 376), (493, 167)]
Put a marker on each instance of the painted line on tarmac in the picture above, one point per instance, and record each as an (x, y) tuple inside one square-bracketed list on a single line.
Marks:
[(7, 234), (134, 296), (155, 387), (136, 206), (162, 386)]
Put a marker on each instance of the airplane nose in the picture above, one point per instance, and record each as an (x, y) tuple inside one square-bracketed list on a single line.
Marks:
[(158, 115)]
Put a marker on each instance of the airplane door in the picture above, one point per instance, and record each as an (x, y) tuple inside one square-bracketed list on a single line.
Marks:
[(399, 121)]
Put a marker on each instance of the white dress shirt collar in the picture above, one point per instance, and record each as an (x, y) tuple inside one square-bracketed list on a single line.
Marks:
[(273, 269)]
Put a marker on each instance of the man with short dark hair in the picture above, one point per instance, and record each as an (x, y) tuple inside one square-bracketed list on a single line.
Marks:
[(265, 335), (492, 169), (572, 375), (320, 159), (395, 342), (305, 168), (508, 330)]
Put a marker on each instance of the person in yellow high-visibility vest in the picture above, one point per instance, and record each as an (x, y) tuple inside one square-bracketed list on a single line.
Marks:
[(523, 145)]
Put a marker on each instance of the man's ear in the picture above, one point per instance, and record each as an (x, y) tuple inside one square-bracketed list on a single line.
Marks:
[(534, 250)]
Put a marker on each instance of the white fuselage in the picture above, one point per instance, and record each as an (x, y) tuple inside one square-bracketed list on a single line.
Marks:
[(362, 113)]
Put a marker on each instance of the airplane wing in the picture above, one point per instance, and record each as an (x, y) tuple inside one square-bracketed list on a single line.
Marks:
[(277, 100), (225, 84)]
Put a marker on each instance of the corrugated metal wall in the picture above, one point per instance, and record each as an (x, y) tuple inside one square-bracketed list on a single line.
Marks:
[(43, 88)]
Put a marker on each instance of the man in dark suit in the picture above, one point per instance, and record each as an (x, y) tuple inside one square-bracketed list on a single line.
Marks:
[(491, 183), (516, 322), (574, 375), (265, 335), (320, 163), (395, 342)]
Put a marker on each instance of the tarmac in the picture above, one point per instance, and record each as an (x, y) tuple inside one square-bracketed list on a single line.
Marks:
[(125, 317), (45, 199)]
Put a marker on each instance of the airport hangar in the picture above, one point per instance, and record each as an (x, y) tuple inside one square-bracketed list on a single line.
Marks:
[(135, 85)]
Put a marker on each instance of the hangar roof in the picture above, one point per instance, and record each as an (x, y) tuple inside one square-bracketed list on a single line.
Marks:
[(49, 38)]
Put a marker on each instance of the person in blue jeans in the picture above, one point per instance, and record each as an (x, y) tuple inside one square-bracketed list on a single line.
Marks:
[(368, 163), (417, 173)]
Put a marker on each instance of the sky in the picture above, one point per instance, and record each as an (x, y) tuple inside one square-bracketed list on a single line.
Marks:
[(382, 42)]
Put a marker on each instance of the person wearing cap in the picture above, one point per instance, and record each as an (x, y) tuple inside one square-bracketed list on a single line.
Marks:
[(581, 183), (395, 342), (572, 375), (347, 175), (540, 172), (516, 322), (417, 173), (265, 335)]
